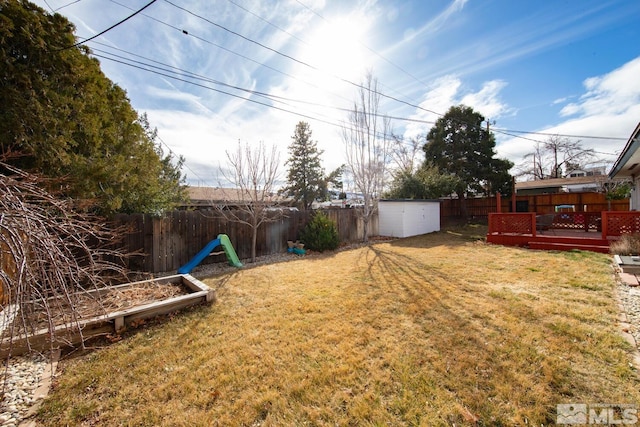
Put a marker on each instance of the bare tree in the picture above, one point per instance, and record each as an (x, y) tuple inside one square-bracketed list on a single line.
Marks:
[(252, 172), (405, 155), (555, 157), (533, 164), (366, 136), (50, 256)]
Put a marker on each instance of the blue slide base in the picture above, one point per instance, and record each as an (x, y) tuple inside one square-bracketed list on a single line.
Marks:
[(186, 269)]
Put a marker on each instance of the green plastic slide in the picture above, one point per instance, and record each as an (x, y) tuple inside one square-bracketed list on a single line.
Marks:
[(221, 240), (229, 251)]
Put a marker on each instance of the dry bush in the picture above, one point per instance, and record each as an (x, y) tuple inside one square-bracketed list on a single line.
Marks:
[(50, 255), (628, 244)]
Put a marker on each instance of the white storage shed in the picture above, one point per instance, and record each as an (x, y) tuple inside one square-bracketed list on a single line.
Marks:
[(404, 218)]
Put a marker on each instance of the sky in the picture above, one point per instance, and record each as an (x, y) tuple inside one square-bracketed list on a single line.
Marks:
[(213, 73)]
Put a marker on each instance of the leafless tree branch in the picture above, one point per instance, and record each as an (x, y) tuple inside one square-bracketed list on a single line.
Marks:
[(50, 255)]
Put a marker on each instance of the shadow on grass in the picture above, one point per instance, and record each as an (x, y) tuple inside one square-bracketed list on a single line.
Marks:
[(450, 237), (469, 348)]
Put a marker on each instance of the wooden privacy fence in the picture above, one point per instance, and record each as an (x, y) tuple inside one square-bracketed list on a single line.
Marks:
[(165, 243)]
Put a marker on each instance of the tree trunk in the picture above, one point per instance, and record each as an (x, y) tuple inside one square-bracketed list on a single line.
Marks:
[(254, 240), (463, 206), (365, 228)]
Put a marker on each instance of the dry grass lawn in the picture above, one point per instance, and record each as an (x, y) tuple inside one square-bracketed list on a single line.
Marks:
[(432, 330)]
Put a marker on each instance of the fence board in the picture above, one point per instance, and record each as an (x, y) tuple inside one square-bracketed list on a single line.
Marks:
[(165, 243)]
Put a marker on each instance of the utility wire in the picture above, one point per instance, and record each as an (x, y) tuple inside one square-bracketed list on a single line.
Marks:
[(277, 98), (47, 3), (357, 85), (241, 36), (68, 4), (360, 86), (111, 27), (216, 90), (269, 22), (563, 135), (187, 74), (273, 97), (187, 33), (185, 161), (379, 55)]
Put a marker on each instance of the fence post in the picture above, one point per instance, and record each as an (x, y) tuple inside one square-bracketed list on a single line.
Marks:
[(604, 224)]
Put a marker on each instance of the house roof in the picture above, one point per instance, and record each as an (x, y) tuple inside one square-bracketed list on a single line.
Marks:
[(557, 182), (209, 195), (626, 164)]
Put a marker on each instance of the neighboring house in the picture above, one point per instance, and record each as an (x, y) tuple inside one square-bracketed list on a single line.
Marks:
[(627, 166), (597, 171), (207, 198), (577, 184)]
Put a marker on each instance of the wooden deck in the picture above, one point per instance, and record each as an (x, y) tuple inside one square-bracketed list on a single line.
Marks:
[(590, 231), (554, 239)]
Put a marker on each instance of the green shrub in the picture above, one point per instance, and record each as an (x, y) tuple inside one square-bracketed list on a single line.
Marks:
[(320, 234)]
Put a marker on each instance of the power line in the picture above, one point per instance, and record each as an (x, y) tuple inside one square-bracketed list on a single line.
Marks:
[(357, 85), (281, 99), (189, 34), (564, 135), (268, 22), (68, 4), (216, 90), (198, 77), (111, 27), (379, 55), (274, 97), (241, 36), (184, 163), (47, 3), (360, 86)]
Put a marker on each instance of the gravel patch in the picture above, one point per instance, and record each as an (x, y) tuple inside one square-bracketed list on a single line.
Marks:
[(23, 375), (630, 299)]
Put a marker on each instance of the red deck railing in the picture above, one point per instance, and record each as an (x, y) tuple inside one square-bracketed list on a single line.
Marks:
[(612, 223), (617, 223)]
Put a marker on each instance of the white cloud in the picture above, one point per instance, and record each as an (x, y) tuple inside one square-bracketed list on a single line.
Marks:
[(612, 93), (448, 91), (610, 107), (487, 101), (430, 26)]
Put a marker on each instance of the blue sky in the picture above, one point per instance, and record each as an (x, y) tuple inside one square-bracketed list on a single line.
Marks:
[(569, 67)]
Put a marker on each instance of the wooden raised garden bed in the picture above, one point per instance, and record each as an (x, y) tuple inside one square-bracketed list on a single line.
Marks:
[(119, 306)]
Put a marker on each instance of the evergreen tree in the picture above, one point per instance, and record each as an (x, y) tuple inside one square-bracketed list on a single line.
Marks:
[(425, 183), (305, 177), (460, 145), (65, 119)]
